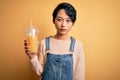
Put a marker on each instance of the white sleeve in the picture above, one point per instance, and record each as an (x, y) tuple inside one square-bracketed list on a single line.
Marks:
[(80, 69), (38, 61)]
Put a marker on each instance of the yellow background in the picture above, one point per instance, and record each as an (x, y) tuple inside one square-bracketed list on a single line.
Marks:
[(97, 26)]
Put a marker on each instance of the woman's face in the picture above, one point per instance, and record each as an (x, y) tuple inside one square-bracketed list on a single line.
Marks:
[(63, 23)]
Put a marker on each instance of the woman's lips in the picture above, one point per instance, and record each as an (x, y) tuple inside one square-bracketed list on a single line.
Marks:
[(62, 29)]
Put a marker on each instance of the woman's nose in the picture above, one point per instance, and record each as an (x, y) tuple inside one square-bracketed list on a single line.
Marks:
[(63, 23)]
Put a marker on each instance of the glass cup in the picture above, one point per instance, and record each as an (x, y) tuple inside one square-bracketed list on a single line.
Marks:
[(31, 34)]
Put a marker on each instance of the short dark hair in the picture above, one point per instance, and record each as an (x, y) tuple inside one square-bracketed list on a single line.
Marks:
[(70, 11)]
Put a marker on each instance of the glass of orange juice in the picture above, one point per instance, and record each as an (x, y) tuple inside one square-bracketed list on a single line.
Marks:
[(32, 38)]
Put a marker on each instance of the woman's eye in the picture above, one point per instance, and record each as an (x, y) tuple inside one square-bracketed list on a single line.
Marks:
[(59, 19), (69, 20)]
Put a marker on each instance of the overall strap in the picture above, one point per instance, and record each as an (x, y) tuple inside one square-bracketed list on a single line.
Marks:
[(47, 43), (72, 45)]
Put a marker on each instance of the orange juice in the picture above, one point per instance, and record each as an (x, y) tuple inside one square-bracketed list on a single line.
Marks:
[(32, 37), (33, 43)]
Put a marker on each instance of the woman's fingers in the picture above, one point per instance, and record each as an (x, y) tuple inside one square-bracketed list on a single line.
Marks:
[(25, 43), (27, 50), (26, 47)]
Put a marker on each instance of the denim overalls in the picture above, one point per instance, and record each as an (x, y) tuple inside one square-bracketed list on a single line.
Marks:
[(58, 67)]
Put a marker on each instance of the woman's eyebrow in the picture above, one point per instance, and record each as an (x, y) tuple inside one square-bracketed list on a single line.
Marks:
[(62, 17), (58, 17)]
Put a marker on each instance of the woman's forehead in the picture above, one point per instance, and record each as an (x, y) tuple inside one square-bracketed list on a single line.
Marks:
[(62, 14)]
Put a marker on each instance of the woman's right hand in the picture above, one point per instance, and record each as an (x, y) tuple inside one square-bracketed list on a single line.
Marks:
[(27, 50)]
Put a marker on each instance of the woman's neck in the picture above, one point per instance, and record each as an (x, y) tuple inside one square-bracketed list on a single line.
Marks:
[(62, 37)]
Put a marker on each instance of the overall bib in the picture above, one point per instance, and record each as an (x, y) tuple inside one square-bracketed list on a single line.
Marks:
[(58, 67)]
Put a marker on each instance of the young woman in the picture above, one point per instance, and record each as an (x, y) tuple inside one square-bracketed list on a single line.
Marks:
[(61, 57)]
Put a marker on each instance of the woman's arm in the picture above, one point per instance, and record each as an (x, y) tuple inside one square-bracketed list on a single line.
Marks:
[(80, 68), (38, 61)]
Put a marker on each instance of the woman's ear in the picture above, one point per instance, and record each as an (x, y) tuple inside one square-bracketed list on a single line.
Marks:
[(54, 22)]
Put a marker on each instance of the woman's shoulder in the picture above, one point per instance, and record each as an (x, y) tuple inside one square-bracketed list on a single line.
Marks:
[(42, 41), (78, 42), (78, 45)]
